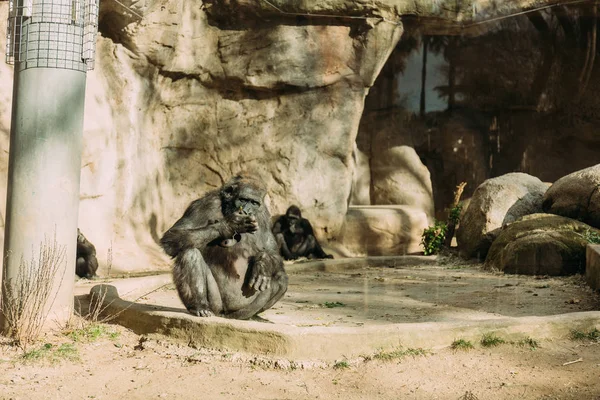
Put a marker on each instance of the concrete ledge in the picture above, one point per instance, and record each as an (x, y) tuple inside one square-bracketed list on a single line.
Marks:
[(592, 266), (325, 343), (347, 264)]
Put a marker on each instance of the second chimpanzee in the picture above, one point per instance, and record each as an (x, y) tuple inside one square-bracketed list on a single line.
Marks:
[(295, 236), (87, 263)]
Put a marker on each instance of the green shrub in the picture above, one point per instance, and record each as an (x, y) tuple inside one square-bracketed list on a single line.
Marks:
[(454, 215), (433, 238), (591, 236)]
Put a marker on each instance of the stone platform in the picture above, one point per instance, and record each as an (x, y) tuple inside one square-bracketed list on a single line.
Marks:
[(349, 307)]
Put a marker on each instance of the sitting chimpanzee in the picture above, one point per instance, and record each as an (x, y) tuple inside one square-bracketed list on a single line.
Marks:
[(87, 263), (295, 236), (226, 259)]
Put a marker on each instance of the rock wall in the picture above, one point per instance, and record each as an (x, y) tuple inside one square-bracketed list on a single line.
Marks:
[(183, 96)]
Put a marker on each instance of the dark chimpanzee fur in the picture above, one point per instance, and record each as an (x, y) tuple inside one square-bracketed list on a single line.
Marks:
[(226, 259), (87, 263), (295, 236)]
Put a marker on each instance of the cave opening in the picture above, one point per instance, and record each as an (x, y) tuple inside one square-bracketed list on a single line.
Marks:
[(516, 95)]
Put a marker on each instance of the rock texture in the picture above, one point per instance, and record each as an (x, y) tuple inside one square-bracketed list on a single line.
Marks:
[(185, 95), (576, 196), (495, 203), (381, 231), (541, 244), (399, 177), (360, 193)]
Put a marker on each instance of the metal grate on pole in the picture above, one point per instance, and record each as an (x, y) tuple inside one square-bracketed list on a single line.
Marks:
[(52, 34)]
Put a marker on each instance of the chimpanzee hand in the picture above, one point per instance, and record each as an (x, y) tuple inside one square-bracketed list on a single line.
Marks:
[(260, 276), (239, 223)]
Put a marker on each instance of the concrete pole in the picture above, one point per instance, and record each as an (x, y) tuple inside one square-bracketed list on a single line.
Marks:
[(43, 177), (45, 159)]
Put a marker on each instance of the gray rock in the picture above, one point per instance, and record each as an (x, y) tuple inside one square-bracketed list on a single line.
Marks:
[(576, 196), (541, 244), (495, 203)]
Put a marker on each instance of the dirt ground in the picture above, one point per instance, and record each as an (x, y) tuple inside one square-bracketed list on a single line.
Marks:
[(109, 362), (100, 361)]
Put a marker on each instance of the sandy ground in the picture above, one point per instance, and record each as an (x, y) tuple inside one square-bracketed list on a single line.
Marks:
[(109, 362), (121, 365)]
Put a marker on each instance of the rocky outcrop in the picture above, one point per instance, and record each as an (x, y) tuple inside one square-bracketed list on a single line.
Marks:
[(185, 95), (399, 177), (576, 196), (495, 203), (541, 244)]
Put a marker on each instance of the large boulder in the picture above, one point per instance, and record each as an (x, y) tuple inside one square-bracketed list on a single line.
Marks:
[(495, 203), (576, 196), (381, 231), (541, 244), (400, 178)]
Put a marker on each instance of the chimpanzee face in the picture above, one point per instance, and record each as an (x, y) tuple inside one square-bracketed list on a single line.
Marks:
[(295, 225), (246, 205)]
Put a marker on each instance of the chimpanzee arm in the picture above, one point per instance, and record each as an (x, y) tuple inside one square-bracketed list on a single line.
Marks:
[(311, 244), (278, 229), (267, 264), (202, 223)]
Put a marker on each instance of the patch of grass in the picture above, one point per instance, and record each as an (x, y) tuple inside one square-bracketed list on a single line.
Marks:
[(341, 365), (91, 333), (491, 340), (528, 342), (333, 304), (49, 352), (67, 352), (37, 354), (461, 344), (593, 335), (399, 354)]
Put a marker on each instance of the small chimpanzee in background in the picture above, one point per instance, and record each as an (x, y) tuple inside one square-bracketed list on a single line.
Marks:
[(295, 236), (87, 263)]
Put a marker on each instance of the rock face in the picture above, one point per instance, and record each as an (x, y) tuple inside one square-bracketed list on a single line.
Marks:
[(399, 177), (576, 196), (184, 96), (541, 244), (381, 231), (495, 203)]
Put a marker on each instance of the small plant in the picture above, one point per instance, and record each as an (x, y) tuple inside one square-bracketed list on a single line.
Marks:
[(433, 238), (593, 335), (399, 354), (27, 297), (491, 340), (341, 365), (528, 342), (333, 304), (461, 344), (454, 214), (591, 236)]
